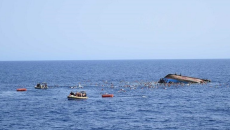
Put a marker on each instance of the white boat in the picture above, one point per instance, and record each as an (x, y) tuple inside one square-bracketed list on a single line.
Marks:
[(78, 86)]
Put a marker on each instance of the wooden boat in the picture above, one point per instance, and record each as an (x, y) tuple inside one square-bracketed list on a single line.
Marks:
[(174, 78), (107, 95), (21, 89), (41, 86)]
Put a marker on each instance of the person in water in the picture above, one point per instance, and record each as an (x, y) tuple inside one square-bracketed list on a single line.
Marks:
[(71, 93)]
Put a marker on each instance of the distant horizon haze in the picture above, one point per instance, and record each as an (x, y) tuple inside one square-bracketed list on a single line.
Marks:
[(114, 60)]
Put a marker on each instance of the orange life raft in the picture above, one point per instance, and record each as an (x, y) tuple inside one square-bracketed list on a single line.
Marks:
[(107, 95), (21, 89)]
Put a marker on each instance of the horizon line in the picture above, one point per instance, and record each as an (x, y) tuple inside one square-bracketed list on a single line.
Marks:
[(118, 59)]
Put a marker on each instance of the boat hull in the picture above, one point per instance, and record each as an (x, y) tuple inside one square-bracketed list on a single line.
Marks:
[(173, 78), (72, 97), (40, 88)]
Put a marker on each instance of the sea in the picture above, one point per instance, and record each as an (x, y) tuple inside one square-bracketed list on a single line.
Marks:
[(139, 102)]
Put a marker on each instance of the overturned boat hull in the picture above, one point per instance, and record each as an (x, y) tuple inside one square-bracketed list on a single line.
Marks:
[(174, 78)]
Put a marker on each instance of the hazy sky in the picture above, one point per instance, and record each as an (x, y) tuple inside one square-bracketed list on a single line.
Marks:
[(114, 29)]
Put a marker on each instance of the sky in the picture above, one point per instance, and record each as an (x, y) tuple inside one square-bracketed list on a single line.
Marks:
[(114, 29)]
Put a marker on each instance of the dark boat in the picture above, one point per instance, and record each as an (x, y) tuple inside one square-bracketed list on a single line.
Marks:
[(174, 78), (41, 86)]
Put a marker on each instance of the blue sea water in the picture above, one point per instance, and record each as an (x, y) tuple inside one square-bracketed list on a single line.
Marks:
[(142, 104)]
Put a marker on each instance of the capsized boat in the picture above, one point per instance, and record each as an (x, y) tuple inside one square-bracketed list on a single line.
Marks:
[(174, 78), (41, 86), (77, 95)]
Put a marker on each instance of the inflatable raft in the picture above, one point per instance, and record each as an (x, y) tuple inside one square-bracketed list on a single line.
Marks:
[(21, 89), (107, 95), (174, 78), (77, 95)]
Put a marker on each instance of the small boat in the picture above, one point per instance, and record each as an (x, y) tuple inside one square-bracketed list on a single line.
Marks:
[(174, 78), (21, 89), (107, 95), (78, 86), (77, 95), (41, 86)]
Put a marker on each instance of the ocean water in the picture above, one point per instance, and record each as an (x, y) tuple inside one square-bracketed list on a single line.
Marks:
[(138, 102)]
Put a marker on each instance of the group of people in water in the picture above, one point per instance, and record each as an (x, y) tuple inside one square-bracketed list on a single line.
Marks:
[(137, 84), (123, 86)]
